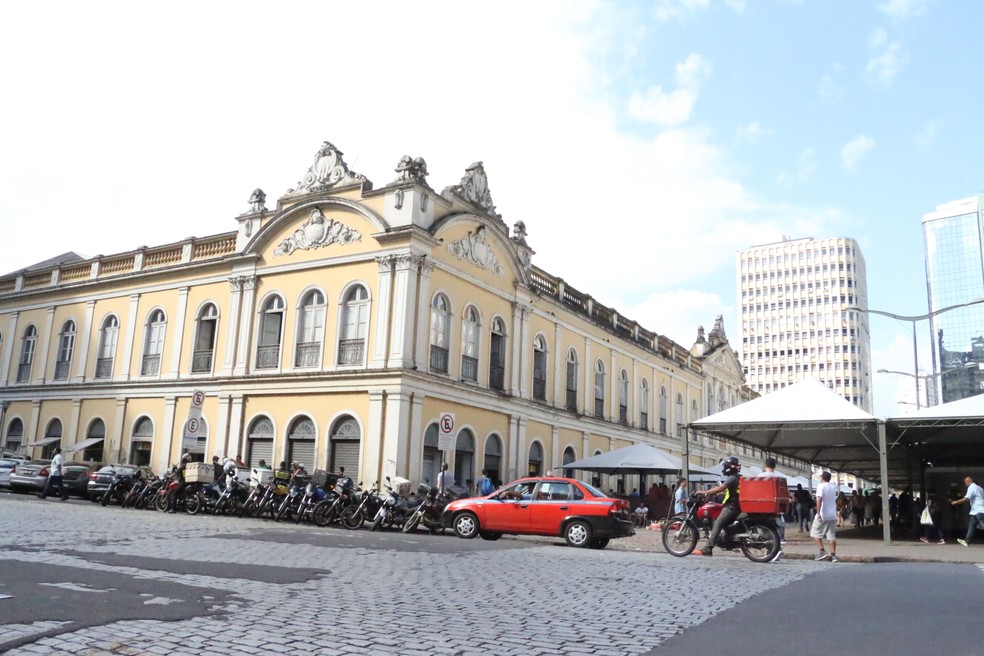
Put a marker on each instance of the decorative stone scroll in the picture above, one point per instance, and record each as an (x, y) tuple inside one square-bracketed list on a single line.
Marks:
[(472, 247), (474, 188), (328, 170), (318, 232)]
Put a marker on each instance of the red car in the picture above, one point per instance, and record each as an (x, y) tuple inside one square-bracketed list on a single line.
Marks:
[(551, 506)]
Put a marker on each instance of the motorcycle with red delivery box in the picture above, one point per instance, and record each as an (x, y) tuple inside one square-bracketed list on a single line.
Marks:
[(754, 532)]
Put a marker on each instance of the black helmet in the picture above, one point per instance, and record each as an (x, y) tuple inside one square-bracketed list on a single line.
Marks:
[(730, 466)]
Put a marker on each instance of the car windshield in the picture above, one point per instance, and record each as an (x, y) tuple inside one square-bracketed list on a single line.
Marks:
[(119, 469)]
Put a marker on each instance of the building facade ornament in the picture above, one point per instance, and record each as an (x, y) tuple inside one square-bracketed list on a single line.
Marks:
[(473, 247), (411, 169), (239, 283), (318, 232), (257, 201), (328, 170), (403, 261), (474, 188)]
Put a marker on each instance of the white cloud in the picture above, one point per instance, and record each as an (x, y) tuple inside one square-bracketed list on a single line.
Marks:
[(666, 10), (830, 91), (672, 108), (854, 150), (900, 9), (926, 137), (888, 59), (751, 133), (806, 167)]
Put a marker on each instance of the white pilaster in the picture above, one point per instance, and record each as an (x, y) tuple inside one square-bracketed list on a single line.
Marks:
[(560, 376), (219, 438), (83, 345), (554, 452), (522, 452), (8, 349), (73, 421), (588, 392), (167, 453), (614, 378), (232, 325), (415, 468), (131, 327), (34, 431), (180, 316), (402, 325), (384, 312), (396, 435), (115, 437), (421, 356), (235, 432), (40, 369), (245, 333), (372, 462), (514, 360)]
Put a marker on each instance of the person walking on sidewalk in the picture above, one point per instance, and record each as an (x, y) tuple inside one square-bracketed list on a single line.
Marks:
[(975, 497), (825, 521), (803, 503), (933, 531), (55, 469)]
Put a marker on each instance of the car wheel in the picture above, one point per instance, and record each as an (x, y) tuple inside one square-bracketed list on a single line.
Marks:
[(466, 525), (491, 536), (578, 534), (599, 543)]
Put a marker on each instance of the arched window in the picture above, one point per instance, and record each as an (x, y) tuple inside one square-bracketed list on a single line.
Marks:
[(432, 456), (52, 439), (680, 418), (346, 441), (301, 441), (355, 327), (153, 344), (469, 344), (259, 442), (569, 457), (623, 397), (28, 344), (540, 368), (15, 434), (693, 411), (206, 332), (662, 409), (722, 399), (464, 457), (599, 391), (497, 356), (571, 403), (271, 333), (108, 335), (141, 441), (710, 399), (644, 405), (440, 335), (535, 463), (493, 456), (95, 440), (66, 346), (310, 329)]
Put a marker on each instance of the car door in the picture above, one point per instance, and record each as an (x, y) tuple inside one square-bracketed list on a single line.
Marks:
[(509, 510), (551, 504)]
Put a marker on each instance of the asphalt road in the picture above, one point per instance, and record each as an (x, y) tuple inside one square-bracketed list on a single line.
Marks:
[(81, 579)]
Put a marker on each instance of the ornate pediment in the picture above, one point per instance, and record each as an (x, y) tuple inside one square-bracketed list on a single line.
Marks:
[(317, 232), (473, 248), (328, 170), (474, 188)]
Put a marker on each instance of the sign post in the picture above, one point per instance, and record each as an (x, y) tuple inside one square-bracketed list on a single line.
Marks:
[(194, 427), (445, 441)]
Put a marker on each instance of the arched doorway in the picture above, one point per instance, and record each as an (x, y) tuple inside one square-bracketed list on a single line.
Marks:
[(535, 460), (464, 458), (432, 456), (493, 457), (97, 436), (346, 441), (52, 439), (300, 442), (259, 442), (569, 457), (141, 441)]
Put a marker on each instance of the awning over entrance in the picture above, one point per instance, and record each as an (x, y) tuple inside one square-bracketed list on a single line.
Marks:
[(84, 444), (47, 440)]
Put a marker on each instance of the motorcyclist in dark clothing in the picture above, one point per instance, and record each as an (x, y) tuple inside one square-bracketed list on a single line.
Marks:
[(731, 469), (180, 477)]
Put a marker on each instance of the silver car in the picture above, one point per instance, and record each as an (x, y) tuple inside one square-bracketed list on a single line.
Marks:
[(6, 464), (30, 476)]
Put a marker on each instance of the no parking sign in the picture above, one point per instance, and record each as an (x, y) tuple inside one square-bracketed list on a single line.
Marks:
[(445, 438)]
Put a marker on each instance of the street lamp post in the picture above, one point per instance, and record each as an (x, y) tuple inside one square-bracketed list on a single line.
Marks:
[(913, 320)]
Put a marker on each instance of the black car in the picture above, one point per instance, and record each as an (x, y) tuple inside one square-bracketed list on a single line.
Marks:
[(75, 477), (100, 480)]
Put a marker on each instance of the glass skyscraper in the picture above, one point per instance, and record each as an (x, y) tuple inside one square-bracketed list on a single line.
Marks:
[(955, 275)]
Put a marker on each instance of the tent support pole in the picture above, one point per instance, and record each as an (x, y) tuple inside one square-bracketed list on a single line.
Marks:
[(883, 462), (685, 465)]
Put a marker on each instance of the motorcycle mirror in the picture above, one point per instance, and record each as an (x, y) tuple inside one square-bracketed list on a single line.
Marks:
[(387, 479)]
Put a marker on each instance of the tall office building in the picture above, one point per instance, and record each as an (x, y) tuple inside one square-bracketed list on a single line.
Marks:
[(955, 275), (795, 321)]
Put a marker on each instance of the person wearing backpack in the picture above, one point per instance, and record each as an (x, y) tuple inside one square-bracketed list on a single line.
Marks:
[(485, 484)]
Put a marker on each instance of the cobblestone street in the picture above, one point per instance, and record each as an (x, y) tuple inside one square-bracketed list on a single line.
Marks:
[(111, 581)]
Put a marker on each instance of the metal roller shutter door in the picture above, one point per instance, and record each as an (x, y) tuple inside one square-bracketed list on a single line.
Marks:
[(302, 451), (345, 453), (260, 450)]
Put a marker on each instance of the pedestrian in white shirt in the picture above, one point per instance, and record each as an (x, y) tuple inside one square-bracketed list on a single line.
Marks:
[(975, 497), (55, 469), (825, 521), (445, 480)]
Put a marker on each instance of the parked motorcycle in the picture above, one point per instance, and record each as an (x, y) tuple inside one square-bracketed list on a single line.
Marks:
[(754, 534), (368, 503), (136, 492), (428, 512), (148, 493), (292, 500), (188, 500), (233, 497), (313, 496), (395, 510), (118, 488), (329, 510)]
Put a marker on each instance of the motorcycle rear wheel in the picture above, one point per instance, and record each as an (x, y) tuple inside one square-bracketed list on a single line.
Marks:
[(193, 504), (762, 543), (353, 518), (250, 509), (412, 523), (160, 503), (679, 537)]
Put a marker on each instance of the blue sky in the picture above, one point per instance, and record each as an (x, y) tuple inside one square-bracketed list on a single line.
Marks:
[(643, 143)]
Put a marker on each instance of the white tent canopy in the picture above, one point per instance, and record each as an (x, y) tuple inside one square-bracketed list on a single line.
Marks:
[(635, 459)]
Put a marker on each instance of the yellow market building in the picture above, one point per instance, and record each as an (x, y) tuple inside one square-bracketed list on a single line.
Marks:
[(335, 330)]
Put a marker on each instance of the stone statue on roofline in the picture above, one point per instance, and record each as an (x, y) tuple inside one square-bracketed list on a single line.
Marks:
[(411, 169), (328, 170), (257, 201)]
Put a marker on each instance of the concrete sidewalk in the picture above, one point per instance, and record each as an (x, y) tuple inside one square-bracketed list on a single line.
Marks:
[(855, 545)]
